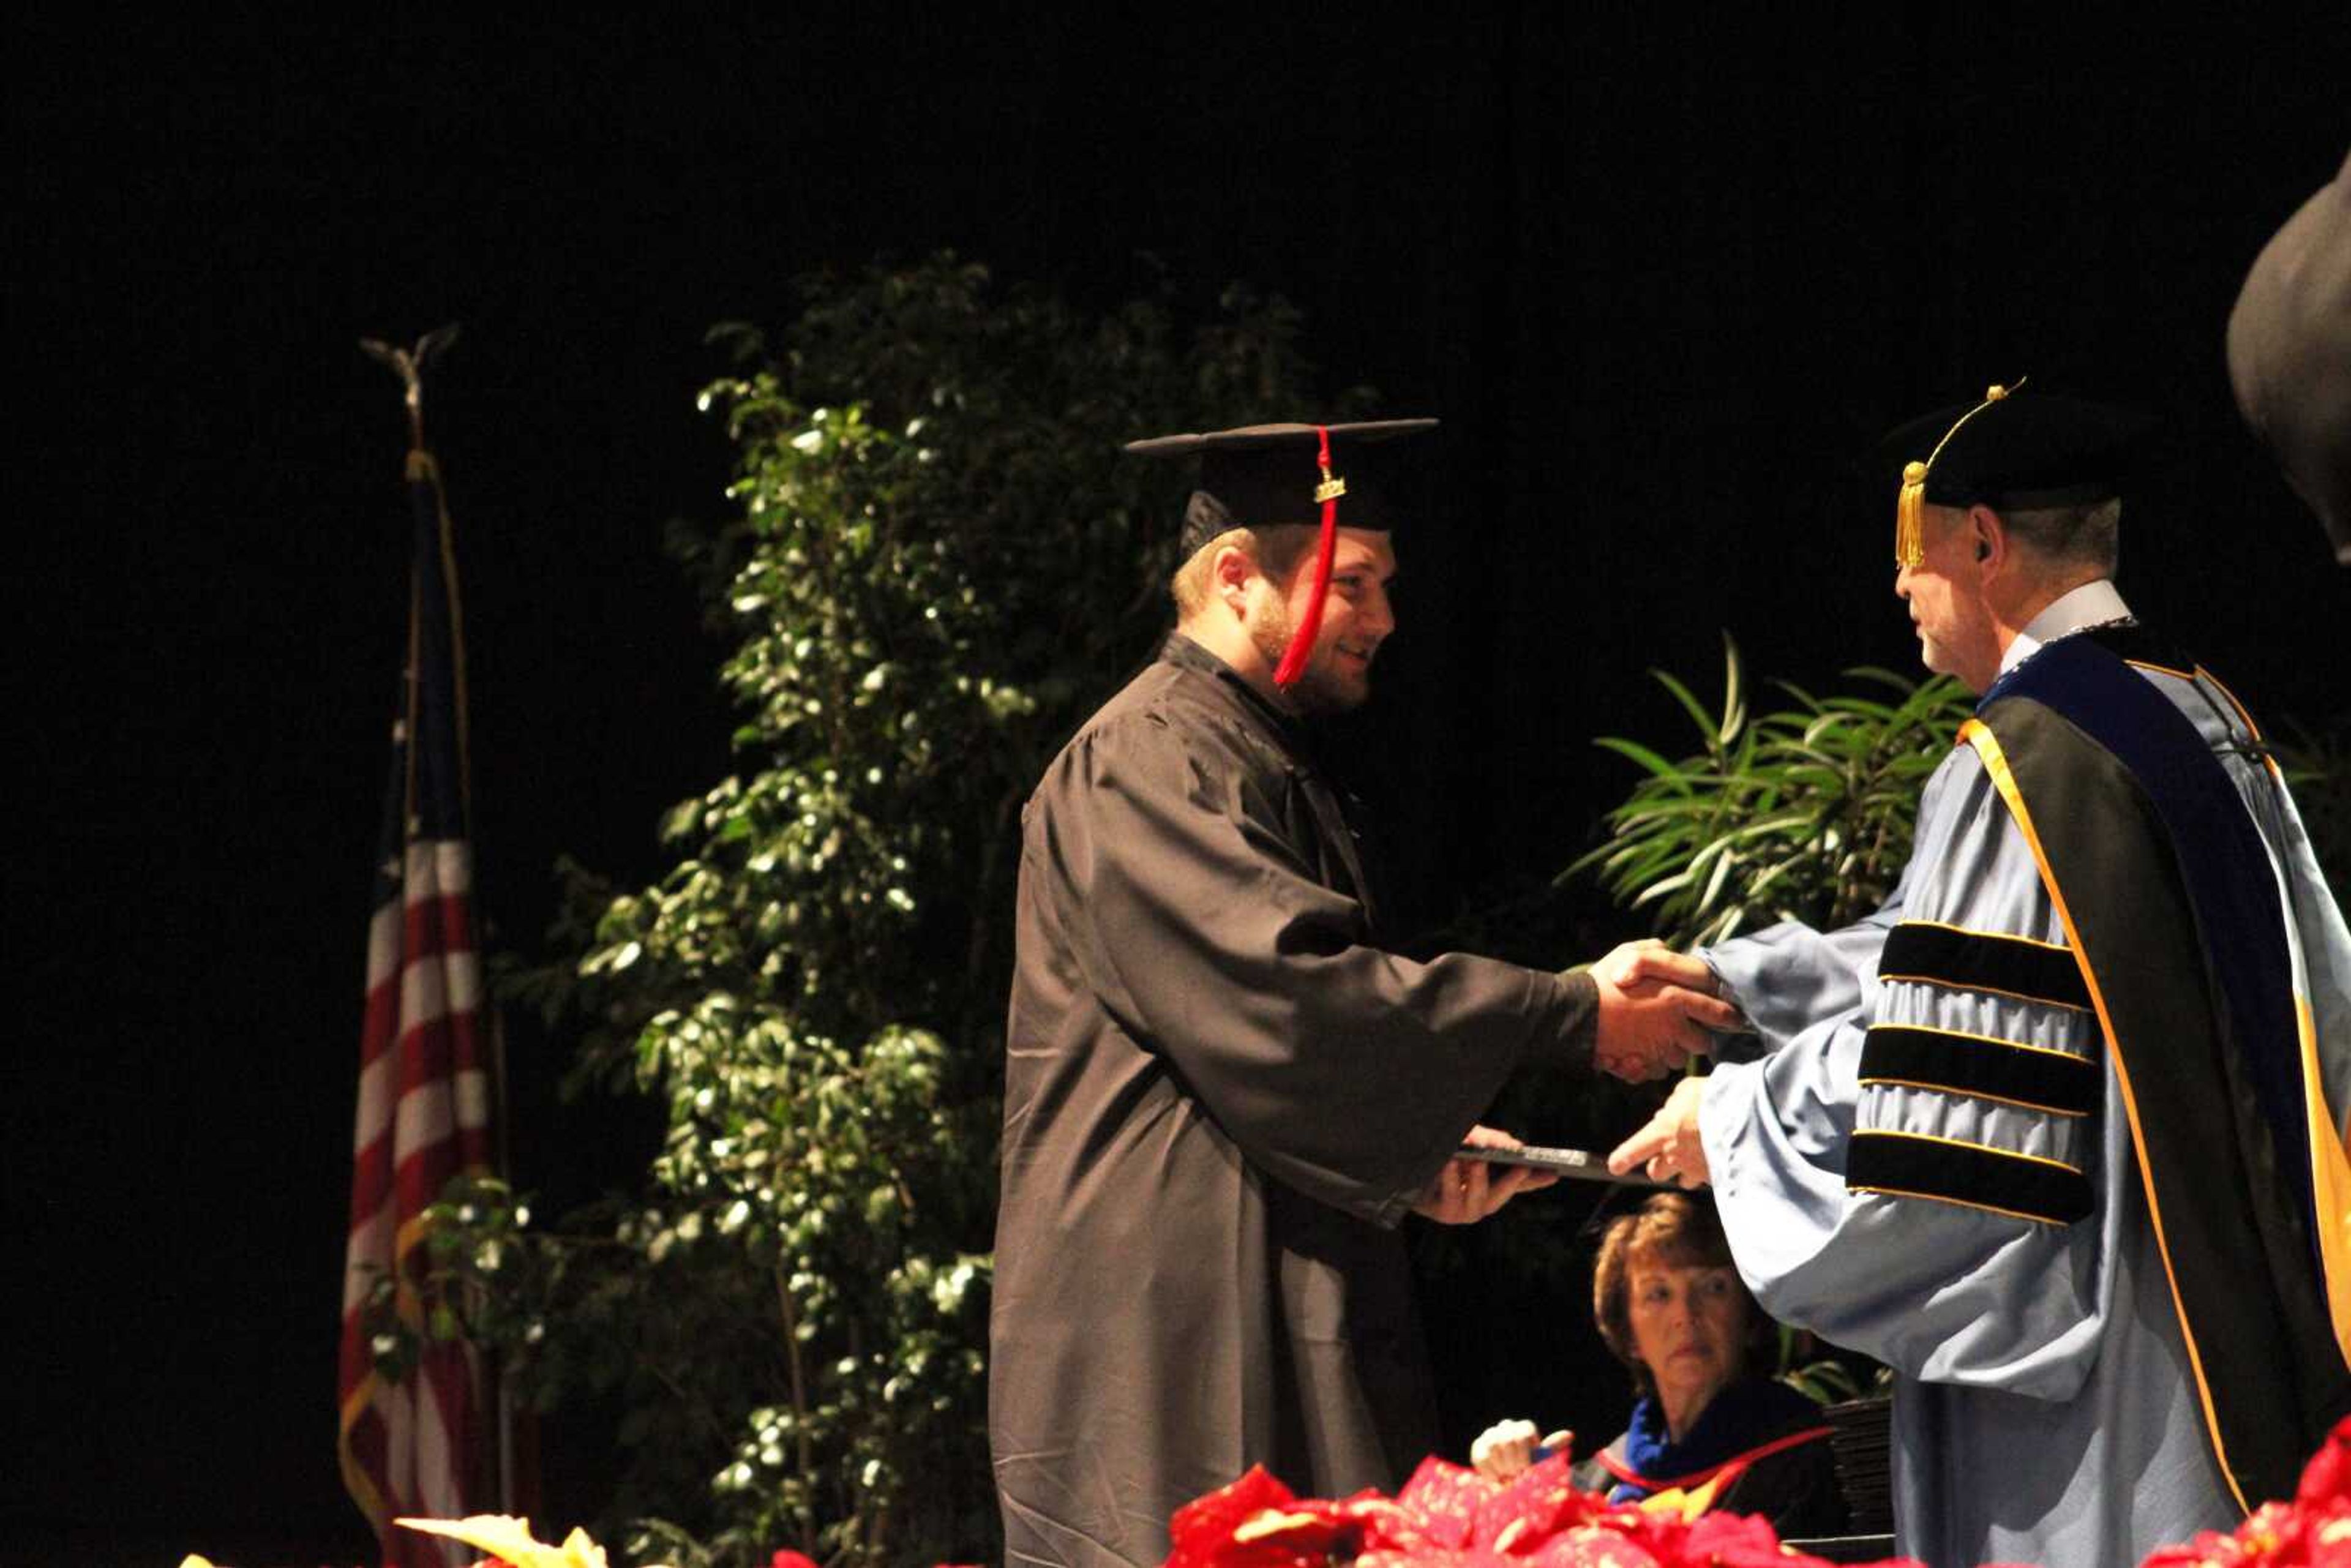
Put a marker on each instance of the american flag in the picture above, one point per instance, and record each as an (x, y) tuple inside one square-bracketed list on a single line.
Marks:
[(415, 1445)]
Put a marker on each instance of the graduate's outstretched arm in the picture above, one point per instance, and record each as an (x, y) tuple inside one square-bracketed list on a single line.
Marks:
[(1345, 1071)]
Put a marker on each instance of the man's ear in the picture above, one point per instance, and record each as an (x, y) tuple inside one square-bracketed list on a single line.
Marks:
[(1230, 572), (1988, 537)]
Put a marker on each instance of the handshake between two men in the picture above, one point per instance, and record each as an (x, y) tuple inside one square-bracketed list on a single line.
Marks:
[(1658, 1009)]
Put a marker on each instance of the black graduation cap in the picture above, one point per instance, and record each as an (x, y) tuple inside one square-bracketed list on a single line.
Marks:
[(2013, 451), (1264, 475)]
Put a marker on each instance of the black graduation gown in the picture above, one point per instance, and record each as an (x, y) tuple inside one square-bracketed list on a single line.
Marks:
[(1221, 1097)]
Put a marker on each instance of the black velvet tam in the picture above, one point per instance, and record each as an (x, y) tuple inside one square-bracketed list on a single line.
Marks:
[(2026, 450), (1264, 475)]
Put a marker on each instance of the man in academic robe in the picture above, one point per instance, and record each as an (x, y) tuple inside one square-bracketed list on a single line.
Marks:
[(1223, 1091), (2058, 1133)]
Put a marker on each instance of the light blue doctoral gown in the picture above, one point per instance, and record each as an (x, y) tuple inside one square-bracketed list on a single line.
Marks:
[(2045, 1411)]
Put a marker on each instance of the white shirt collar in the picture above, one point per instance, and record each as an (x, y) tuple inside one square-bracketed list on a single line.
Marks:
[(2095, 603)]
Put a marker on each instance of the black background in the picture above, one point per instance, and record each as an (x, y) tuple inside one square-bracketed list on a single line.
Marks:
[(1665, 271)]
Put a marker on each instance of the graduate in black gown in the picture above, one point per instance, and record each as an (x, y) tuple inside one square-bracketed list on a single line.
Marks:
[(1224, 1089)]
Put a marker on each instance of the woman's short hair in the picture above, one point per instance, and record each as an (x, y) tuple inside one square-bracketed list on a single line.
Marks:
[(1671, 1230)]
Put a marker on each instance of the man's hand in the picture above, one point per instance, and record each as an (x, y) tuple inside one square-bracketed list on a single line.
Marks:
[(1669, 1148), (1507, 1447), (1466, 1191), (1656, 1009), (1636, 963)]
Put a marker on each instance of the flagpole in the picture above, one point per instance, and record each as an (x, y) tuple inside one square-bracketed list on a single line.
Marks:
[(408, 365)]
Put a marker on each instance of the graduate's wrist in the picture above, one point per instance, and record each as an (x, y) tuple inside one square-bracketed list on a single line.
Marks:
[(1574, 1038)]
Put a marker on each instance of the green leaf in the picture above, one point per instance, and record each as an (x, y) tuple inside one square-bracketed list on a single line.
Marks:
[(1708, 725), (1668, 772), (1819, 799), (1734, 695)]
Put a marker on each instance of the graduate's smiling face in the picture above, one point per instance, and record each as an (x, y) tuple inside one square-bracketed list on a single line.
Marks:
[(1689, 1323), (1957, 632), (1356, 619)]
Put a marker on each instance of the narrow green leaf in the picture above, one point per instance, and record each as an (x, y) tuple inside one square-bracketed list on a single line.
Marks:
[(1666, 771), (1734, 698), (1708, 725)]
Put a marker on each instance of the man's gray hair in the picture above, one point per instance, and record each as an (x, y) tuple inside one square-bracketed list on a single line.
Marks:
[(2089, 536)]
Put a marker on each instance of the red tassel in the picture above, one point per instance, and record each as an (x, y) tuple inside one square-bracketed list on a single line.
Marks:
[(1310, 625)]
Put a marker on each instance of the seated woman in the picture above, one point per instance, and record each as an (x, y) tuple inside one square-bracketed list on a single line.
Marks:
[(1671, 1305)]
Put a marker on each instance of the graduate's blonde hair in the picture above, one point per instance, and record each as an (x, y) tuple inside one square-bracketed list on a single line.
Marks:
[(1277, 550)]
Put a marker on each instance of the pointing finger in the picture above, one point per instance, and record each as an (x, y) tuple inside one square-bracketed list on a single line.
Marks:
[(1638, 1149)]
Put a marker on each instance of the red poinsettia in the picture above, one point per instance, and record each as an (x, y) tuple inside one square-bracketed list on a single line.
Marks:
[(1448, 1516), (1258, 1522), (2314, 1530)]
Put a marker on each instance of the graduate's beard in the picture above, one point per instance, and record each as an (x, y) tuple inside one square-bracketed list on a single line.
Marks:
[(1316, 690), (1269, 631)]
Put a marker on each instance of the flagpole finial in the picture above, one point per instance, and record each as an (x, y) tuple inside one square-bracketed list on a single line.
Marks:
[(409, 364)]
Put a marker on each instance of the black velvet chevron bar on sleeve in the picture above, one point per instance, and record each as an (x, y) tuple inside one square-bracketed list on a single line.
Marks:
[(1974, 1174), (1983, 961), (2005, 1069)]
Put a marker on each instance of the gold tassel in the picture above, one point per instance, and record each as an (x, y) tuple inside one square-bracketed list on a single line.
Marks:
[(1910, 506), (1910, 516)]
